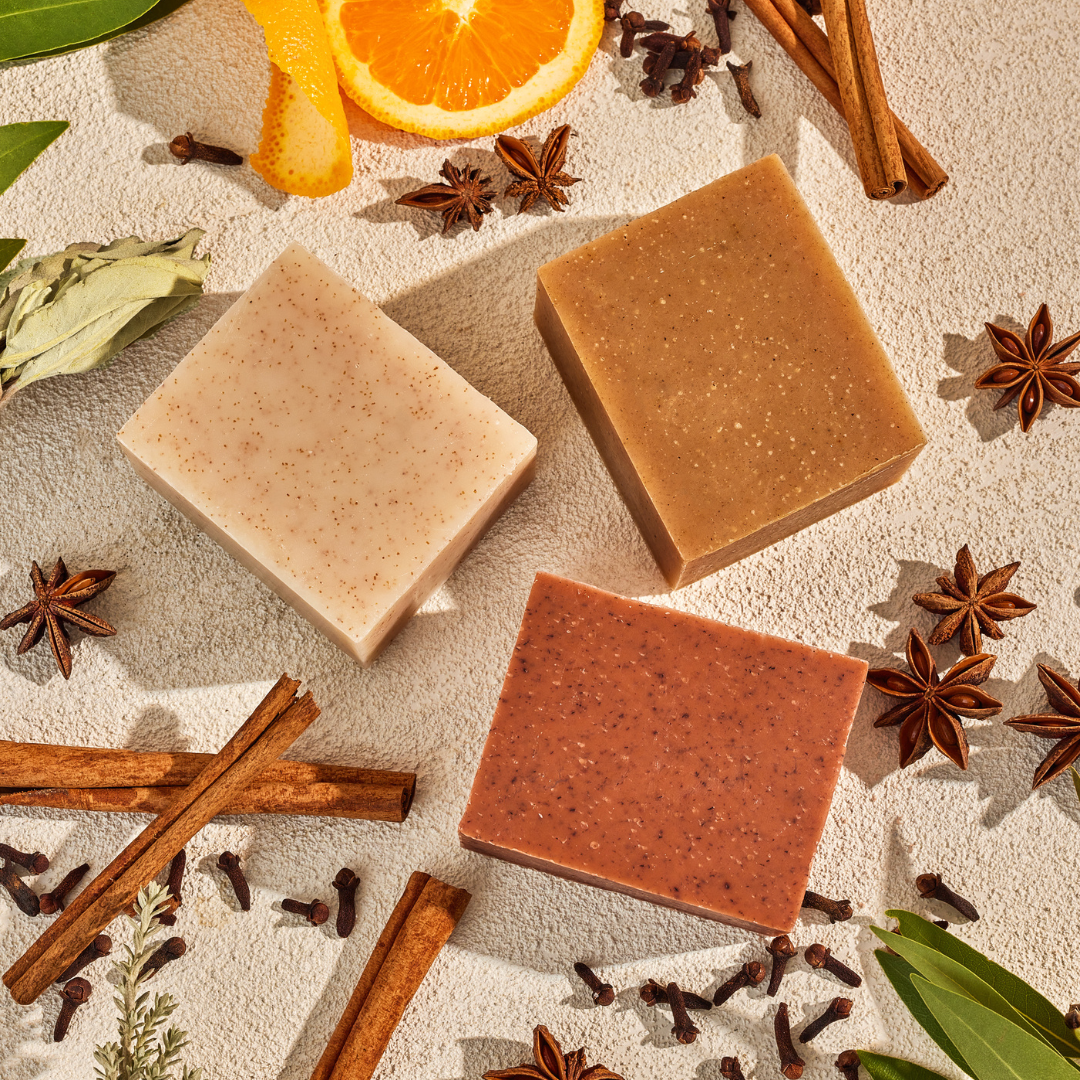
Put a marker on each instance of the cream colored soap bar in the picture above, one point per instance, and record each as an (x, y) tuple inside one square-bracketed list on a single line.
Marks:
[(725, 371), (333, 454)]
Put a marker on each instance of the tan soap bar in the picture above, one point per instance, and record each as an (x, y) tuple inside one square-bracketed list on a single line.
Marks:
[(330, 452), (725, 371), (662, 755)]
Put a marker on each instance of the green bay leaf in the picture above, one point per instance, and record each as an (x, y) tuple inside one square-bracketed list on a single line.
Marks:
[(8, 250), (30, 27), (1023, 997), (21, 143), (883, 1067), (898, 971), (949, 974), (996, 1048), (158, 11)]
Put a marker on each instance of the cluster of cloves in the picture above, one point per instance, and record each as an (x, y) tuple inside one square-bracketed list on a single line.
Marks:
[(35, 862), (316, 912), (666, 52)]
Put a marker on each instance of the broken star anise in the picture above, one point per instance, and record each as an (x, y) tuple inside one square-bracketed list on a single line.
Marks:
[(55, 602), (552, 1063), (466, 194), (1065, 698), (930, 711), (541, 179), (1032, 369), (973, 605)]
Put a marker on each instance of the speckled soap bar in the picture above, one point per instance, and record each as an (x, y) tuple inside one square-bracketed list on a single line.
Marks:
[(663, 755), (725, 371), (333, 454)]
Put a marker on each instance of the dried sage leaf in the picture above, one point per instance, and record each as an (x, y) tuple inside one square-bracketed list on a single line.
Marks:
[(76, 309)]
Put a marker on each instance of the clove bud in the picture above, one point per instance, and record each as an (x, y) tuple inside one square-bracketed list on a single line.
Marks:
[(171, 950), (748, 975), (26, 900), (837, 910), (684, 1029), (848, 1064), (839, 1009), (346, 883), (654, 993), (99, 947), (187, 148), (931, 887), (791, 1065), (817, 956), (76, 993), (53, 901), (230, 863), (34, 861), (730, 1069), (781, 950)]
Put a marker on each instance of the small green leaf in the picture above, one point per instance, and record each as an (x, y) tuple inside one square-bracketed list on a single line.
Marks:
[(882, 1067), (158, 11), (21, 143), (30, 27), (1019, 994), (947, 973), (996, 1048), (899, 972), (9, 249)]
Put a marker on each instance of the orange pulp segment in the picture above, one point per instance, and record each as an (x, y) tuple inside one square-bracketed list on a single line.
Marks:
[(457, 68)]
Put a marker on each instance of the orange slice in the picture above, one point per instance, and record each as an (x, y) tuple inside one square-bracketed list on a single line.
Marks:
[(453, 69), (305, 141)]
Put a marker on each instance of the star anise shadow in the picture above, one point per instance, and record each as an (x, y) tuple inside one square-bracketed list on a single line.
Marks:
[(1002, 761), (481, 1055), (971, 357)]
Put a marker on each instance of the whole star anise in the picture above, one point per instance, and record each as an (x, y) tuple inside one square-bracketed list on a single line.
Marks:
[(1065, 698), (973, 605), (1032, 369), (466, 193), (54, 604), (537, 179), (552, 1063), (930, 711)]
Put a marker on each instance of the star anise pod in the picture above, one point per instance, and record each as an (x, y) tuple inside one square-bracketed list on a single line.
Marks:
[(553, 1064), (466, 194), (54, 604), (1032, 369), (930, 711), (973, 605), (537, 179), (1064, 697)]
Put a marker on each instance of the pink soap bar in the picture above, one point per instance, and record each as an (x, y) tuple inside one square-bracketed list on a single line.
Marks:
[(662, 755)]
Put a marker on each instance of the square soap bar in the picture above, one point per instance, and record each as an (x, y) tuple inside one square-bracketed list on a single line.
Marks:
[(330, 452), (663, 755), (725, 371)]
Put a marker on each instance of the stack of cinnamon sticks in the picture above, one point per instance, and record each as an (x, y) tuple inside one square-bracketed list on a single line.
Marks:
[(280, 718), (126, 781), (415, 933), (843, 66)]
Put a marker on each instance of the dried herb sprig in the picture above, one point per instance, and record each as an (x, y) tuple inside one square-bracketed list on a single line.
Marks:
[(144, 1051)]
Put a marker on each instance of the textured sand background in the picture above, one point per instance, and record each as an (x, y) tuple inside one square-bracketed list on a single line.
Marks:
[(991, 89)]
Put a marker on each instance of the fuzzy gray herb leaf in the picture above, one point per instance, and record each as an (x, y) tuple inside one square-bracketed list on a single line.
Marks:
[(76, 309)]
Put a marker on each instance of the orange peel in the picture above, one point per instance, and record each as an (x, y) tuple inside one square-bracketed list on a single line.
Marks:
[(305, 146)]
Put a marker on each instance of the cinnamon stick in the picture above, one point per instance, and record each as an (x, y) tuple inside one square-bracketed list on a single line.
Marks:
[(366, 802), (277, 722), (416, 931), (808, 45), (83, 778), (863, 94)]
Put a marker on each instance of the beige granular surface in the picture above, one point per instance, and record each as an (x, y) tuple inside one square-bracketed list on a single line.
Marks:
[(992, 91)]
